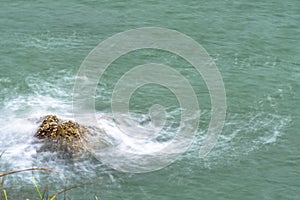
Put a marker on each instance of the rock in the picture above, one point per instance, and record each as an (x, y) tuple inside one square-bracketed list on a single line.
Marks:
[(67, 138)]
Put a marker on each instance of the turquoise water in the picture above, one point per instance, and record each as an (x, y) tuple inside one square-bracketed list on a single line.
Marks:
[(254, 44)]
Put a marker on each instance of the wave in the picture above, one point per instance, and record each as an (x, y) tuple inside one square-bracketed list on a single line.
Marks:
[(243, 133)]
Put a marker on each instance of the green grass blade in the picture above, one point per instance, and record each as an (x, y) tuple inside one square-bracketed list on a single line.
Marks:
[(5, 195), (37, 188), (2, 183)]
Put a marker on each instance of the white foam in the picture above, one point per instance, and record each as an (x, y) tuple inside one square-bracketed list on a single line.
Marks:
[(50, 41), (244, 133)]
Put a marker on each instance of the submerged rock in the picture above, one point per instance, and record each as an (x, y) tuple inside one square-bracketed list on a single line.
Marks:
[(67, 138)]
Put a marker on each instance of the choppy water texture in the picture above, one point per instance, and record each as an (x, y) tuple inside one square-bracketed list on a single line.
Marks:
[(254, 44)]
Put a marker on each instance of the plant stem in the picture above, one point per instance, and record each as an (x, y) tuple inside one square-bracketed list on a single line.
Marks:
[(37, 188)]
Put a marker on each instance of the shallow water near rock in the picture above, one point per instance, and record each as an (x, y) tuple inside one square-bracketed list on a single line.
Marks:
[(255, 45)]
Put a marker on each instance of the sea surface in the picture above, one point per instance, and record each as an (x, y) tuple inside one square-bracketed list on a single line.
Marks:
[(255, 46)]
